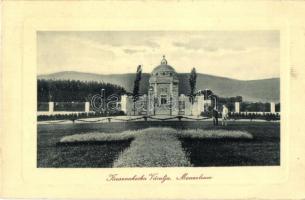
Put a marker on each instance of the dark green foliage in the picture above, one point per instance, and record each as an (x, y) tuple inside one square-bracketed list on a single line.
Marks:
[(75, 116), (251, 116), (263, 150), (238, 98), (233, 153), (254, 107), (256, 90), (192, 80), (136, 87), (42, 106), (91, 155), (207, 93), (261, 116), (208, 112), (73, 91), (278, 107), (229, 102)]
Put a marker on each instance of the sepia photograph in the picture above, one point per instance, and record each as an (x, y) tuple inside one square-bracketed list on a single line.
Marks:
[(152, 100), (121, 99)]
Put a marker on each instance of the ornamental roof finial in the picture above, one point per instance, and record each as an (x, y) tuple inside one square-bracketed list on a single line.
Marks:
[(163, 61)]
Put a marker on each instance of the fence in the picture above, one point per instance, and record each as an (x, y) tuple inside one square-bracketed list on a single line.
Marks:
[(67, 106), (57, 108), (42, 106), (247, 107), (117, 117), (76, 110), (81, 117)]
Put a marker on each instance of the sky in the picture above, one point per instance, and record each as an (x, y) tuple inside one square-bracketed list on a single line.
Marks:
[(243, 55)]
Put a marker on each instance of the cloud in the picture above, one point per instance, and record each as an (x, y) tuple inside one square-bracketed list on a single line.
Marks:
[(210, 46), (111, 38), (195, 45), (235, 54), (214, 41), (132, 51), (152, 44)]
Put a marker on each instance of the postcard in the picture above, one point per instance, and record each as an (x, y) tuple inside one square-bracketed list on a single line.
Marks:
[(143, 100)]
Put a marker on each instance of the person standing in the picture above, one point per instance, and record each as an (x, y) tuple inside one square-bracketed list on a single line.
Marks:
[(215, 117), (225, 115)]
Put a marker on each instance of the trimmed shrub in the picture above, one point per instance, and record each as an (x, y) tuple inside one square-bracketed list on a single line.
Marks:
[(75, 116), (251, 116), (99, 137), (213, 134)]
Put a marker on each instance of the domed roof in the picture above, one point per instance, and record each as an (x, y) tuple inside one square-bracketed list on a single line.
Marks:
[(163, 67)]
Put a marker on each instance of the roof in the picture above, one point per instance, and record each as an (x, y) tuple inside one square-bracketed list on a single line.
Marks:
[(163, 67)]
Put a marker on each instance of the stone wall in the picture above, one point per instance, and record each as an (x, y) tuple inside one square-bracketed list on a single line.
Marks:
[(178, 106)]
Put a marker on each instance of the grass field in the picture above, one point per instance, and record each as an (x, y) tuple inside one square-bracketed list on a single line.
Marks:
[(263, 149)]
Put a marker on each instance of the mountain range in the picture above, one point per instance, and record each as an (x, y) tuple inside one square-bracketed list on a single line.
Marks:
[(262, 90)]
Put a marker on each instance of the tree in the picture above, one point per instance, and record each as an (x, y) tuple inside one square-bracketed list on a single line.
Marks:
[(136, 87), (277, 107), (207, 93), (71, 90), (214, 98), (193, 77), (238, 98)]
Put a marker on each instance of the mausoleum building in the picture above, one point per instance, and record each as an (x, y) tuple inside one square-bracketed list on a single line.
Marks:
[(163, 96)]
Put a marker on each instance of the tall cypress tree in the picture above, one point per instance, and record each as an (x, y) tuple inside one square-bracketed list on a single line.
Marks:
[(193, 77)]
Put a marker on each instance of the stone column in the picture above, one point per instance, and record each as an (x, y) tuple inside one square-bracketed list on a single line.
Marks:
[(188, 105), (200, 104), (156, 96), (124, 103), (51, 107), (149, 103), (155, 89), (145, 103), (272, 107), (237, 107), (87, 107)]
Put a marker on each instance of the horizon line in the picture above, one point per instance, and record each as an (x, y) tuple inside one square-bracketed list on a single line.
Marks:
[(150, 73)]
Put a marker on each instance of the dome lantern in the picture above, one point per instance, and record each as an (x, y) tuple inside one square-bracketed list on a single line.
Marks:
[(163, 61)]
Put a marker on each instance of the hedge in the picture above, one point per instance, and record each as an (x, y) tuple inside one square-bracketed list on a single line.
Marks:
[(75, 116), (251, 116)]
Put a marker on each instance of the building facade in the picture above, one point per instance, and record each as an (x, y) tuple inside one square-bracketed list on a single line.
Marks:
[(163, 90), (163, 96)]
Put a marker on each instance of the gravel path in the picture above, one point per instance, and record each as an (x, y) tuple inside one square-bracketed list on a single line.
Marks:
[(155, 147)]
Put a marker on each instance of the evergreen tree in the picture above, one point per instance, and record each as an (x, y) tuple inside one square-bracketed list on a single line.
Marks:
[(192, 79), (71, 90)]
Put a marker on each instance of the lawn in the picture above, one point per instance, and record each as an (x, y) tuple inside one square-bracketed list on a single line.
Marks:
[(263, 149)]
